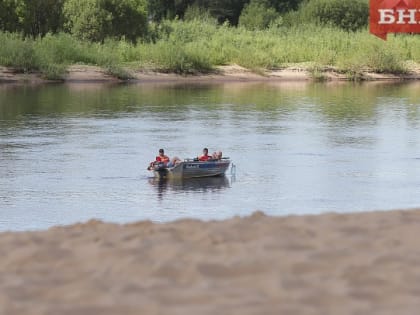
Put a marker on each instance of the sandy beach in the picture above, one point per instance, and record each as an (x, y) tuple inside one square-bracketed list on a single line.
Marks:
[(229, 73), (361, 263)]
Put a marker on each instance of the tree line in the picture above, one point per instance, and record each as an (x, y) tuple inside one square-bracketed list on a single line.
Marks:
[(221, 10), (96, 20)]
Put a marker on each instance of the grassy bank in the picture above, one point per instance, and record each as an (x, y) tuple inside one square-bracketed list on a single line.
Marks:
[(196, 46)]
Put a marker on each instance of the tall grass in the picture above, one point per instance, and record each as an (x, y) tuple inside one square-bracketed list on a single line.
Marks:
[(197, 47), (279, 46), (52, 54)]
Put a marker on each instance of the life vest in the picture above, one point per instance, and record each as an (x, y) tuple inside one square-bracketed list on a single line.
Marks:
[(163, 159), (204, 158)]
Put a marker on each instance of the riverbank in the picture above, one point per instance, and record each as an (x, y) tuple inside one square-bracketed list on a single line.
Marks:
[(200, 49), (326, 264), (234, 73)]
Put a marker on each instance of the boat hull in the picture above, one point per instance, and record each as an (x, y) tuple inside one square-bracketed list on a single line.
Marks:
[(194, 169)]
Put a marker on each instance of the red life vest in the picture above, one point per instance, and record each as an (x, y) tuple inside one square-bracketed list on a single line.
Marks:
[(163, 159), (204, 158)]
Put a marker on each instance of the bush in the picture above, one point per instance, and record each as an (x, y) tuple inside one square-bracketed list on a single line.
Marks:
[(17, 53), (61, 48), (257, 15), (52, 71), (385, 60), (194, 12), (177, 58), (95, 20), (348, 15)]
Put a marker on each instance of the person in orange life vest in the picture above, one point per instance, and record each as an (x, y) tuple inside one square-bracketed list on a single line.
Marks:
[(205, 156), (161, 158)]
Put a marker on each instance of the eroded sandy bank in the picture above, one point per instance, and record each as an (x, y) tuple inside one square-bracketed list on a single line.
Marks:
[(85, 73)]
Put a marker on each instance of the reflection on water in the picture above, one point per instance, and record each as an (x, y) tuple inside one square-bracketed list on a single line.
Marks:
[(73, 152), (194, 185)]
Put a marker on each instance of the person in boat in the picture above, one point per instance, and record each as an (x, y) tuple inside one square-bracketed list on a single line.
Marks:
[(161, 158), (217, 156), (174, 161), (205, 156)]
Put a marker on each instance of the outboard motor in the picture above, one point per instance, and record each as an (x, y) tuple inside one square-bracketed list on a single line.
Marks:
[(161, 168)]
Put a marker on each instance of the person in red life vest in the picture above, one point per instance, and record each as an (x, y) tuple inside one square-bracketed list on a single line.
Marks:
[(205, 156), (161, 158)]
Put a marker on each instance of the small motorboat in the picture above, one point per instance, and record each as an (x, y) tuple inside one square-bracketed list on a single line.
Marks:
[(192, 168)]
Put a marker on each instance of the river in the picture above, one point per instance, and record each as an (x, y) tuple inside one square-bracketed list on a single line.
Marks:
[(74, 152)]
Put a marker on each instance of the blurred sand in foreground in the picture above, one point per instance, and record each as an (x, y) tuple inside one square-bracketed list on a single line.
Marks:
[(367, 263)]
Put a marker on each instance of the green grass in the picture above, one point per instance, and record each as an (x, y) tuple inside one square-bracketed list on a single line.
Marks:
[(197, 47)]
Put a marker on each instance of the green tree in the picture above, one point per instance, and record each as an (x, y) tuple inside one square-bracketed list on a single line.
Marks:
[(168, 9), (9, 20), (224, 10), (257, 15), (96, 20), (38, 17), (195, 12), (348, 15), (129, 18), (283, 6), (86, 19)]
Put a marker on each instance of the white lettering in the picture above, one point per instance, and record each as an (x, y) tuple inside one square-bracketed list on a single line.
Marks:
[(386, 16), (411, 15), (192, 166)]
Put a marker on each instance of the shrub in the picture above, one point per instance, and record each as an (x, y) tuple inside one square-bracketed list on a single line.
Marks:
[(17, 53), (95, 20), (61, 48), (194, 12), (385, 60), (348, 15), (257, 15)]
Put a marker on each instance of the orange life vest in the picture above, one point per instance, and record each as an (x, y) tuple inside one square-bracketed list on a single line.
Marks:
[(204, 158), (163, 159)]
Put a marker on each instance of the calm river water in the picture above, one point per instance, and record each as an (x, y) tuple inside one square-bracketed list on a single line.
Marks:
[(70, 153)]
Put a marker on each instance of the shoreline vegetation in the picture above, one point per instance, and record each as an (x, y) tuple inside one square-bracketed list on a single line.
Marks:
[(202, 49), (311, 264), (80, 73), (256, 39)]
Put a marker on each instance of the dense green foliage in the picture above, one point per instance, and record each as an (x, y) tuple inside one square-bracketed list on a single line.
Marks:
[(221, 10), (52, 54), (195, 12), (9, 20), (98, 19), (275, 47), (31, 17), (116, 35), (348, 15), (257, 15), (196, 46), (38, 17)]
